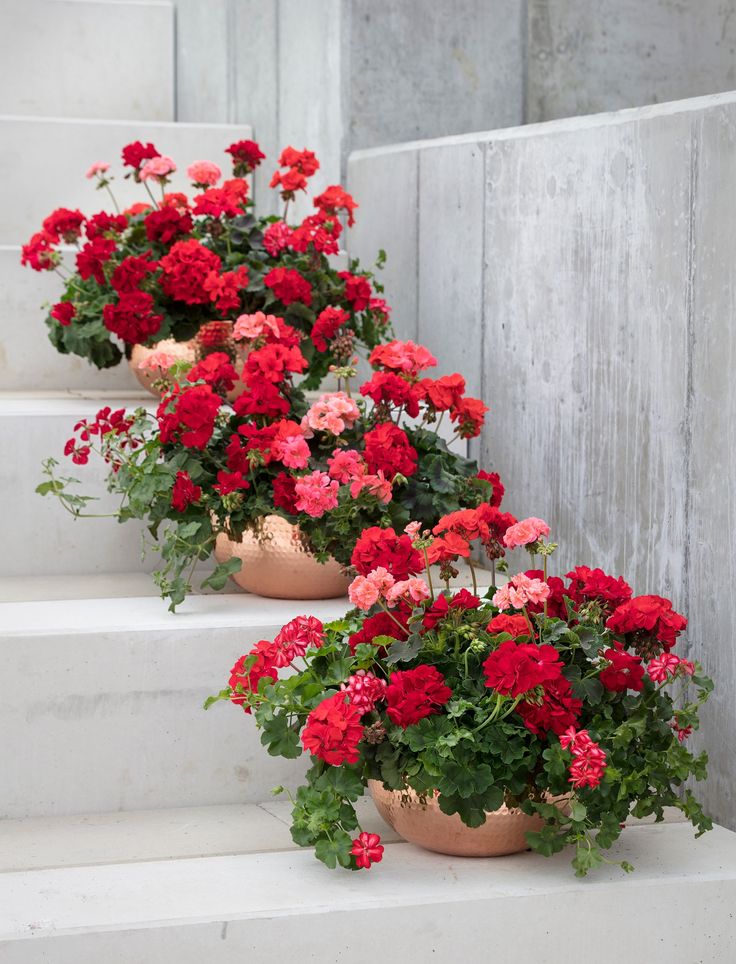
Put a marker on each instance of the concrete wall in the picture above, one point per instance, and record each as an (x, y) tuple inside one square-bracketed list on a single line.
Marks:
[(580, 273), (586, 56)]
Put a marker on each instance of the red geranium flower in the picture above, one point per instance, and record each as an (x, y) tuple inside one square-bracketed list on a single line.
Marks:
[(284, 495), (132, 318), (648, 616), (63, 312), (328, 322), (388, 450), (246, 155), (498, 488), (382, 624), (93, 256), (383, 547), (415, 693), (136, 153), (261, 668), (388, 388), (165, 224), (63, 224), (367, 850), (185, 269), (469, 413), (333, 731), (558, 710), (288, 286), (515, 668), (39, 253), (515, 625), (443, 393), (334, 199), (193, 418), (131, 272), (184, 492), (104, 223), (588, 584), (357, 290), (625, 672), (217, 370)]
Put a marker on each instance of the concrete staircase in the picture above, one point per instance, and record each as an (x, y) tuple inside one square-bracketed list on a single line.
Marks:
[(133, 826)]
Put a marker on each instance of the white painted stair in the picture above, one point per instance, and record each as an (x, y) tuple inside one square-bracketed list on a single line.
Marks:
[(226, 884)]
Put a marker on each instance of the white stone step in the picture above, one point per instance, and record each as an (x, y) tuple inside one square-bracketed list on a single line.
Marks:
[(85, 840), (43, 162), (28, 361), (284, 906), (101, 702), (87, 59), (39, 536)]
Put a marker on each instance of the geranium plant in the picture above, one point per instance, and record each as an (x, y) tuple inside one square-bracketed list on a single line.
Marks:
[(334, 465), (169, 264), (545, 690)]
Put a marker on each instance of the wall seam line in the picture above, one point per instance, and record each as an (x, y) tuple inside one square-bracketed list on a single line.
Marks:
[(690, 344), (418, 222)]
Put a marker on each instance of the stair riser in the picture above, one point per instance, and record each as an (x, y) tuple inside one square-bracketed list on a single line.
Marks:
[(110, 41), (114, 721), (39, 535), (28, 193), (28, 361)]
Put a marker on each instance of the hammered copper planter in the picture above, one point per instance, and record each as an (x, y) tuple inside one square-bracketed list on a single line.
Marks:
[(275, 564), (421, 822), (181, 351)]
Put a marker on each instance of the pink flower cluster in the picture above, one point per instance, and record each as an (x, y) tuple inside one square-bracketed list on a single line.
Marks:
[(666, 665), (520, 591), (349, 468), (588, 760), (250, 327), (364, 690), (333, 412), (525, 533), (316, 493), (379, 584)]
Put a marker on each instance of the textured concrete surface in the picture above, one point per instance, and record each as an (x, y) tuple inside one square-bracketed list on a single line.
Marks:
[(587, 56), (87, 59), (602, 342), (414, 905)]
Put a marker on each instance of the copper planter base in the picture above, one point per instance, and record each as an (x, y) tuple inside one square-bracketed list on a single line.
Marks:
[(276, 566), (421, 822)]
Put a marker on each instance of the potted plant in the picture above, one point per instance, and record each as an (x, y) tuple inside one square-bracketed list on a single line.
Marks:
[(208, 475), (541, 715), (174, 272)]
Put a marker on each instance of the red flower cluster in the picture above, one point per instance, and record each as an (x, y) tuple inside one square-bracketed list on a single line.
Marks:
[(93, 257), (623, 672), (357, 290), (328, 323), (383, 547), (367, 849), (388, 450), (166, 224), (516, 668), (647, 618), (300, 166), (515, 625), (246, 155), (415, 693), (63, 312), (132, 318), (131, 272), (296, 637), (63, 225), (184, 492), (593, 584), (216, 370), (382, 624), (333, 731), (288, 286), (249, 671), (136, 154), (185, 269), (589, 761), (333, 200), (443, 606), (192, 419)]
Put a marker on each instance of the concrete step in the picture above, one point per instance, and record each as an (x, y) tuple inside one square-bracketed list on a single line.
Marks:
[(39, 536), (101, 702), (122, 63), (28, 361), (282, 905), (31, 186), (88, 840)]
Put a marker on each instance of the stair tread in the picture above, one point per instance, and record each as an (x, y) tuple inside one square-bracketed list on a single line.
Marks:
[(283, 884)]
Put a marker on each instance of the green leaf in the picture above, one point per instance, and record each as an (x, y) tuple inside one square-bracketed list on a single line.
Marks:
[(335, 850), (280, 738), (221, 573), (402, 652)]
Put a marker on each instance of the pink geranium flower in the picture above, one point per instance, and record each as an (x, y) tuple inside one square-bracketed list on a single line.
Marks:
[(525, 533), (99, 167), (204, 173), (157, 167), (519, 591), (316, 494), (333, 412)]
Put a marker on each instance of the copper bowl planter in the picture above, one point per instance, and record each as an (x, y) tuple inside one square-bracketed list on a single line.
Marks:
[(275, 564), (420, 821)]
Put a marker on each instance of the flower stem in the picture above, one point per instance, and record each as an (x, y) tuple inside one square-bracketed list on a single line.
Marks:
[(429, 572)]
